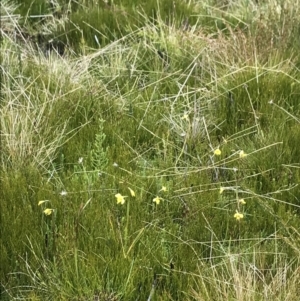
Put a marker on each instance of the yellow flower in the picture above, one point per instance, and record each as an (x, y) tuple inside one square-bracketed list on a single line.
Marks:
[(221, 190), (217, 152), (42, 202), (48, 211), (131, 192), (157, 200), (242, 154), (185, 117), (120, 198), (242, 201), (238, 215), (164, 189)]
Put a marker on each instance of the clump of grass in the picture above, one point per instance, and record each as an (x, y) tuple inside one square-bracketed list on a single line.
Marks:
[(145, 168), (238, 278)]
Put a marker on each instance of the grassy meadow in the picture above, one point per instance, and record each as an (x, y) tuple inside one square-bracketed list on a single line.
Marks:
[(150, 150)]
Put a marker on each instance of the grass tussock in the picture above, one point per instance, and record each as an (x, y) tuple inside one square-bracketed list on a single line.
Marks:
[(156, 160)]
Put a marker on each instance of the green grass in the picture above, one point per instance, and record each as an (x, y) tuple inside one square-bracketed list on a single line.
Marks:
[(144, 107)]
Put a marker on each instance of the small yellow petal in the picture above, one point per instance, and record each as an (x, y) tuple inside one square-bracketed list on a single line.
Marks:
[(238, 215), (131, 192), (48, 211), (221, 190), (42, 202), (217, 152), (157, 200)]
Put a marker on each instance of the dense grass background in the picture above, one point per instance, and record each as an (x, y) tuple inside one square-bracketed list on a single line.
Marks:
[(100, 97)]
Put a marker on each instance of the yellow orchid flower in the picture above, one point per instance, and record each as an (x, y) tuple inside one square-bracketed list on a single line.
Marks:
[(242, 201), (164, 189), (217, 152), (120, 198), (157, 200), (238, 215), (242, 154), (48, 211)]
